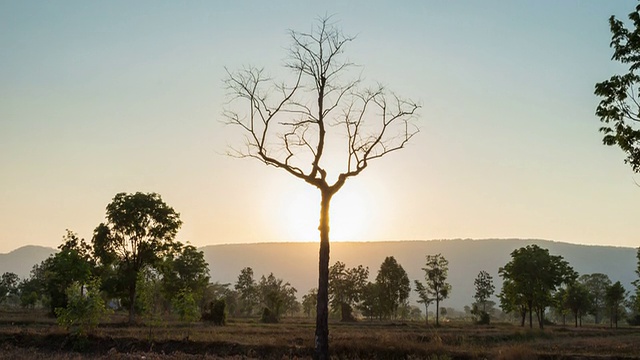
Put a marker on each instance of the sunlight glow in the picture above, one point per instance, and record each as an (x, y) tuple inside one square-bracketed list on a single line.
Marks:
[(349, 215)]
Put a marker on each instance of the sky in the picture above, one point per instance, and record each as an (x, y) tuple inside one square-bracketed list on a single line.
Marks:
[(98, 98)]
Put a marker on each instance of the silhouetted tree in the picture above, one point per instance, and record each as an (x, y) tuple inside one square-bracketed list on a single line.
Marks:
[(247, 292), (597, 285), (184, 269), (635, 304), (424, 298), (616, 294), (276, 296), (393, 287), (139, 231), (370, 306), (8, 285), (287, 126), (484, 289), (513, 300), (436, 271), (309, 302), (619, 110), (33, 289), (577, 299), (345, 288), (73, 263), (532, 276)]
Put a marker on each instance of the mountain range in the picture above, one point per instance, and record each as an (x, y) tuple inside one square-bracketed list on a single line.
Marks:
[(297, 263)]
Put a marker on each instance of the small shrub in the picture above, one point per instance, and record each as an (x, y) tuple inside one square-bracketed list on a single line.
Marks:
[(216, 312), (185, 306), (268, 316), (483, 318), (634, 321), (84, 309)]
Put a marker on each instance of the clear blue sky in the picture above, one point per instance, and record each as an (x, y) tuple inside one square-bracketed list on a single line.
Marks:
[(98, 98)]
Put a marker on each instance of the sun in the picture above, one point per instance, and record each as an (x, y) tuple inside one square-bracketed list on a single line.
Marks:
[(348, 215)]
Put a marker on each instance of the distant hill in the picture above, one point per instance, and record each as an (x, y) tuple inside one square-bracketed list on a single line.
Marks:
[(21, 260), (297, 263)]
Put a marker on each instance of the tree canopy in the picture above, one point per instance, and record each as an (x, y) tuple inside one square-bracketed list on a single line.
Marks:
[(346, 286), (619, 108), (530, 279), (393, 287), (324, 111), (436, 271), (140, 229)]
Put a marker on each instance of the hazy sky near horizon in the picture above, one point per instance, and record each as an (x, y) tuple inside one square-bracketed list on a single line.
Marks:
[(98, 98)]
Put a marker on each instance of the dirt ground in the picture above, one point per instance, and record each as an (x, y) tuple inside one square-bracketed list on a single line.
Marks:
[(28, 336)]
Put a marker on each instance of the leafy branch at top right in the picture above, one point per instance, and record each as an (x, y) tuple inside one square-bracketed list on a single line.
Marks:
[(619, 108)]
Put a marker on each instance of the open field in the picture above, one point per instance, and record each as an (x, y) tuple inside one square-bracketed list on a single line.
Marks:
[(27, 336)]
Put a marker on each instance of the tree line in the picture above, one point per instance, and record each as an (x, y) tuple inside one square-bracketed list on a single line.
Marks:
[(134, 263)]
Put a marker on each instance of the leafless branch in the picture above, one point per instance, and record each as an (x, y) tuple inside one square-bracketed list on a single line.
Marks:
[(285, 129)]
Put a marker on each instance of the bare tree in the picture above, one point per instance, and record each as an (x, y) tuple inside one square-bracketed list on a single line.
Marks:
[(322, 110)]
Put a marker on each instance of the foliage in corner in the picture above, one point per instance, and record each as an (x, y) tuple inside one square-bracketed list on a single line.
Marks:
[(85, 308)]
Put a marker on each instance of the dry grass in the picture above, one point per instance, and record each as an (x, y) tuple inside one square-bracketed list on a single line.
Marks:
[(34, 336)]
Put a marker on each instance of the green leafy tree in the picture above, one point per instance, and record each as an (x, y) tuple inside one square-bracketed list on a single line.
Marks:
[(615, 296), (276, 297), (8, 285), (484, 288), (85, 308), (559, 307), (424, 298), (596, 285), (370, 305), (635, 304), (532, 276), (393, 287), (150, 301), (185, 305), (436, 271), (247, 292), (299, 127), (512, 300), (184, 268), (139, 231), (577, 299), (345, 288), (32, 290), (73, 263), (309, 302), (619, 108)]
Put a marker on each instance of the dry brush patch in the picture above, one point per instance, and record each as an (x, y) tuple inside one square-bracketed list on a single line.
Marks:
[(293, 338)]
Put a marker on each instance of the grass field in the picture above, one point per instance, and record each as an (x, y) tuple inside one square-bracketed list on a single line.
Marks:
[(33, 335)]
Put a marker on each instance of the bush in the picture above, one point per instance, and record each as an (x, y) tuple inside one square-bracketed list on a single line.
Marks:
[(483, 318), (634, 320), (268, 316), (84, 310), (216, 312)]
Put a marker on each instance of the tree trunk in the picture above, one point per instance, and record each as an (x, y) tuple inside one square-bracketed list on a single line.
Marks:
[(437, 312), (132, 304), (322, 317), (576, 317), (530, 316), (426, 315)]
